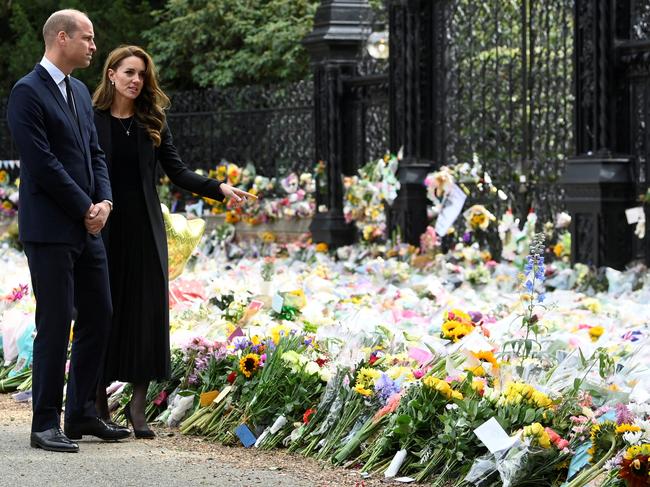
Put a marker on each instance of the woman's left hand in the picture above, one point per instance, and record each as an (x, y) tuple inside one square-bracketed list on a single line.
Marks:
[(235, 194)]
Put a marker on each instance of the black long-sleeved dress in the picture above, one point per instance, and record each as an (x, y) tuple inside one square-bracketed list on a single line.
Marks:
[(135, 240)]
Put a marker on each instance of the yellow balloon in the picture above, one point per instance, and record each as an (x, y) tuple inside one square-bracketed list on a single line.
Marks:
[(183, 236)]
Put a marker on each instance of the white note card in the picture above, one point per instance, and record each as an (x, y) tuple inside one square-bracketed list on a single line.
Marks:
[(277, 303), (452, 205), (635, 215), (493, 436)]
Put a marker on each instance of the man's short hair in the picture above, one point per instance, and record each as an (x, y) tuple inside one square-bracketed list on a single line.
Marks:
[(62, 20)]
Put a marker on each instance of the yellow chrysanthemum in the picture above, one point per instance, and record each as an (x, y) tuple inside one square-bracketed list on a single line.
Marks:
[(363, 391), (248, 364), (637, 450), (365, 381)]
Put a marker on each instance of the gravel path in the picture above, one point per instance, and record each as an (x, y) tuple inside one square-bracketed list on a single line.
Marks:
[(169, 460)]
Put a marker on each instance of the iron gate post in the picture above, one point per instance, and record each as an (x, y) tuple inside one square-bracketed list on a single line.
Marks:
[(340, 28), (417, 49), (598, 182)]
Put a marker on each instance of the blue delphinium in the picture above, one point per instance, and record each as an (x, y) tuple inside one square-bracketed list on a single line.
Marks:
[(533, 294), (385, 387), (535, 270)]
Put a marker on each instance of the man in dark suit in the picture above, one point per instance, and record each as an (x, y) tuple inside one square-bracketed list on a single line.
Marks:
[(65, 200)]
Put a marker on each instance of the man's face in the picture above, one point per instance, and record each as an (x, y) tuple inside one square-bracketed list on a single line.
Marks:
[(80, 47)]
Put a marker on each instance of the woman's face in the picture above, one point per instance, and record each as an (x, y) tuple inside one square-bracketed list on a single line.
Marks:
[(128, 77)]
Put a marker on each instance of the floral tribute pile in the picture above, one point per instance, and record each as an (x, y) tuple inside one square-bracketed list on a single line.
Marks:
[(288, 197), (480, 358), (447, 369)]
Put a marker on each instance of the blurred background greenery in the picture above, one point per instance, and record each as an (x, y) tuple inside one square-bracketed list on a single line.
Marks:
[(195, 43)]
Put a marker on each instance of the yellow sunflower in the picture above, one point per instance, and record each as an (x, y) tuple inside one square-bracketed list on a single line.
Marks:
[(248, 364)]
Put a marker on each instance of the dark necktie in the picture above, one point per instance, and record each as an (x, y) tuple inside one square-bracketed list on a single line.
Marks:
[(68, 92)]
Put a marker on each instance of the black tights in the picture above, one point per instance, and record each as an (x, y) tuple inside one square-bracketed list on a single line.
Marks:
[(137, 405)]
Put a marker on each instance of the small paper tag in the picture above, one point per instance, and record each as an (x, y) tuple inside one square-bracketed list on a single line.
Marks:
[(493, 436), (245, 435), (222, 395), (236, 333), (635, 215), (278, 302)]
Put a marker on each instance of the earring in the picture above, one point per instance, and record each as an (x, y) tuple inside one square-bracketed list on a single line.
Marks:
[(112, 83)]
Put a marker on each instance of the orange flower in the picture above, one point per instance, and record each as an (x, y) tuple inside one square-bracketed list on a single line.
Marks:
[(232, 217)]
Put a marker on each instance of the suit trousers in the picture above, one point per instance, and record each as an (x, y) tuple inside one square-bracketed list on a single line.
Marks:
[(67, 276)]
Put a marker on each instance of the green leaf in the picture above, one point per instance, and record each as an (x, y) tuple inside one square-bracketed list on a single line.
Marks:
[(529, 416)]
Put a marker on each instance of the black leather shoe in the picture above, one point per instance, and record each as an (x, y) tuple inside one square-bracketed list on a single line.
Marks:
[(53, 440), (95, 427)]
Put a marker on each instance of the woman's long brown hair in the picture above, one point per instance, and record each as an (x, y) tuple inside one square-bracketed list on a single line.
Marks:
[(152, 102)]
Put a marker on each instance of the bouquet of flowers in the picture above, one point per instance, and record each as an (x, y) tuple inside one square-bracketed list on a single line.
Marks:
[(367, 195)]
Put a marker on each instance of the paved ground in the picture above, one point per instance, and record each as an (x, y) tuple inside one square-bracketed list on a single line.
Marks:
[(128, 463), (169, 460)]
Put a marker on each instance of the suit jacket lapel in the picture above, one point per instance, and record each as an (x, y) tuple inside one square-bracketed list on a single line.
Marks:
[(56, 93), (103, 125), (81, 117)]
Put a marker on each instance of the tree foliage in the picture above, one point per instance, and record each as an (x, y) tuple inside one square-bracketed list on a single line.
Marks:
[(21, 41), (195, 43), (231, 42)]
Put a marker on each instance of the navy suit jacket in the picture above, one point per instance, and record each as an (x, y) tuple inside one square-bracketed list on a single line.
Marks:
[(62, 168)]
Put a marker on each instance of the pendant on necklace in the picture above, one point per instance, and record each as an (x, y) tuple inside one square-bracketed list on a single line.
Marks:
[(128, 133)]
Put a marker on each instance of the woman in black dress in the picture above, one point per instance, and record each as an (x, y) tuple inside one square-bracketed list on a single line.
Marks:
[(130, 119)]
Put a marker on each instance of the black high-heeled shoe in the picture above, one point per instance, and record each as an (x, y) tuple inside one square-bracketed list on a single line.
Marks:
[(146, 434)]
